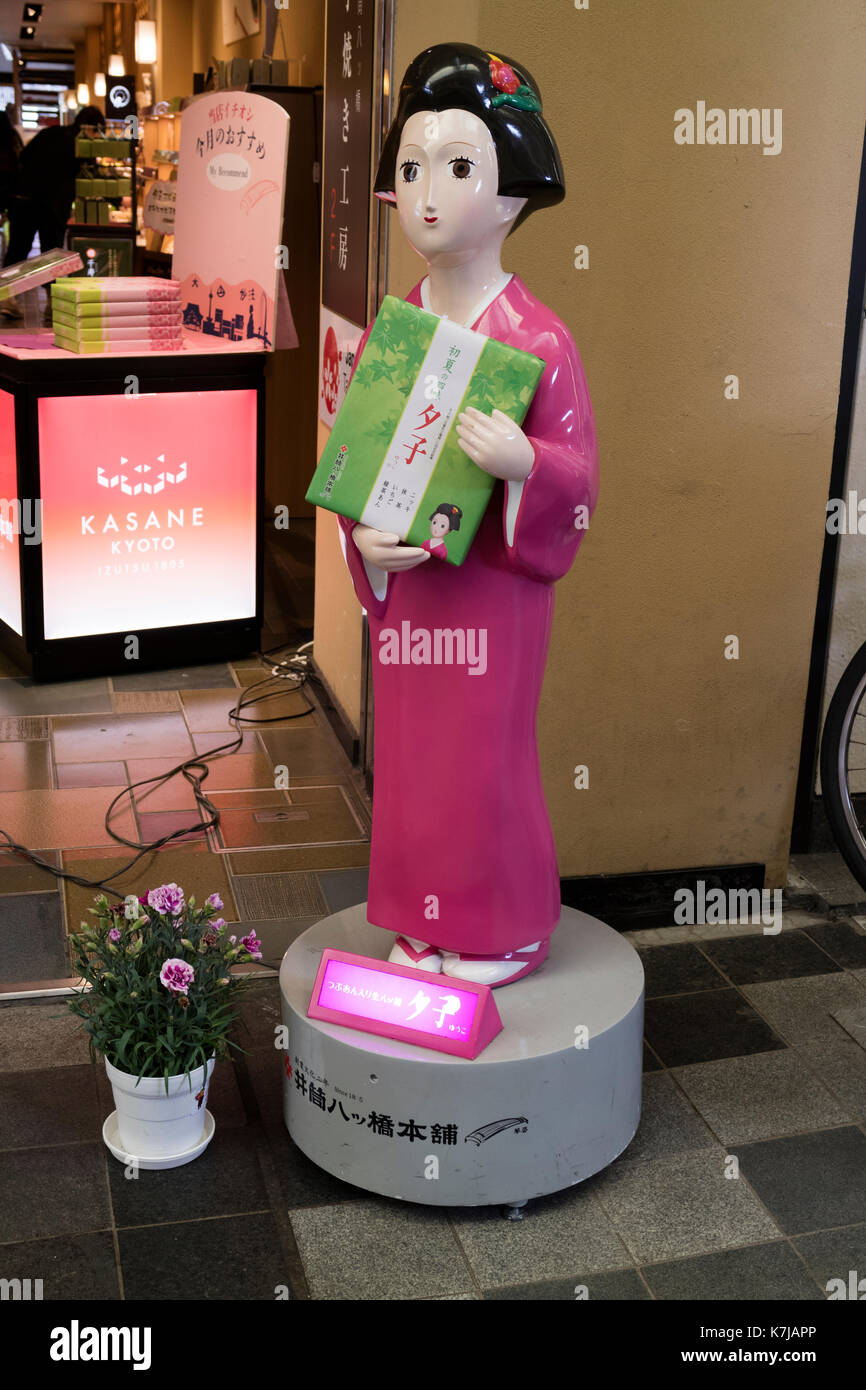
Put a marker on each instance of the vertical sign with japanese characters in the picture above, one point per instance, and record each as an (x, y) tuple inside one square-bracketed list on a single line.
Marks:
[(346, 183)]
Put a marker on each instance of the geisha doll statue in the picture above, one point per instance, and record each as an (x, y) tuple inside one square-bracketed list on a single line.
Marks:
[(463, 867)]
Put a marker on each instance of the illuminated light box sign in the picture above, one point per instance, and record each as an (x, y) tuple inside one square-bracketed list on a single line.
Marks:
[(10, 517), (148, 510), (397, 1001)]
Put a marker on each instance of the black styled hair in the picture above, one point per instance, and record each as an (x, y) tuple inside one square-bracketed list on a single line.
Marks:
[(89, 116), (505, 96), (453, 514)]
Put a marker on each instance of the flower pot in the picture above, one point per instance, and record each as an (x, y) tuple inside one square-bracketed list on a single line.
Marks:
[(153, 1124)]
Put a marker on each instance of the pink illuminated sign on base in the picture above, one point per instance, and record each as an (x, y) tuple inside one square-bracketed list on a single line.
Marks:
[(397, 1001)]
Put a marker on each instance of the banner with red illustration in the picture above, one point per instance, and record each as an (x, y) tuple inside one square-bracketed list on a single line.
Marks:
[(228, 230), (338, 344), (148, 510)]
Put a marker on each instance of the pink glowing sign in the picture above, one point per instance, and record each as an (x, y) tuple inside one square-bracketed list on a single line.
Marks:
[(10, 516), (148, 510), (397, 1001)]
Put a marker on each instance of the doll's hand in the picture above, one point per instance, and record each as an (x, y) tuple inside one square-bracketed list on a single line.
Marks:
[(496, 444), (383, 549)]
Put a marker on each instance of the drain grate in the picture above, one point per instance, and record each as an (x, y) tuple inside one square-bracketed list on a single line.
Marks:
[(276, 897), (27, 727)]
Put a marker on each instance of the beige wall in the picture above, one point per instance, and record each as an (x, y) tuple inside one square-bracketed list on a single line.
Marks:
[(189, 37), (704, 261), (301, 36)]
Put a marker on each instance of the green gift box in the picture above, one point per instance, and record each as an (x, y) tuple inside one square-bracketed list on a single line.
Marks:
[(393, 459)]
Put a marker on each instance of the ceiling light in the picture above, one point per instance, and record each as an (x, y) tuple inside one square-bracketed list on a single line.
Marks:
[(99, 84), (82, 94), (145, 41), (115, 65)]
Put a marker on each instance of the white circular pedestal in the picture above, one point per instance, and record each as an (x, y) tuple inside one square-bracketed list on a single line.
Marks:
[(570, 1109)]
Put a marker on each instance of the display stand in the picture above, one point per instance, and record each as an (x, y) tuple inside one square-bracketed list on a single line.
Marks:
[(554, 1098), (132, 485)]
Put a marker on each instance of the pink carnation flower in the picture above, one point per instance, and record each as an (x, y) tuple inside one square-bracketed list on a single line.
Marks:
[(253, 945), (214, 900), (177, 976), (168, 899)]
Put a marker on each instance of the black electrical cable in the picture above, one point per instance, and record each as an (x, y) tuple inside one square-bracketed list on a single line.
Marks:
[(199, 760)]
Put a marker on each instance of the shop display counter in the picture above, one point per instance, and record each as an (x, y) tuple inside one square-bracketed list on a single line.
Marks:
[(130, 505)]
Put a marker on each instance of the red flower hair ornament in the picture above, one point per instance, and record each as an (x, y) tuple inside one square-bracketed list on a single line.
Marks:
[(510, 90)]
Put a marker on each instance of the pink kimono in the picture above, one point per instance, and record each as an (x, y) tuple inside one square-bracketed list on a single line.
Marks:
[(462, 852)]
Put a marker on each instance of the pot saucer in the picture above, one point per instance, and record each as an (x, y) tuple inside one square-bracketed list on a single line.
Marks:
[(111, 1136)]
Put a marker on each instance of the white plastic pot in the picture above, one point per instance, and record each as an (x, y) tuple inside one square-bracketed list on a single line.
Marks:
[(153, 1124)]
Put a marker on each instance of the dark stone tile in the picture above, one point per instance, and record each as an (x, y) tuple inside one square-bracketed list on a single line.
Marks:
[(266, 1068), (668, 1123), (703, 1027), (258, 1014), (302, 1182), (678, 969), (58, 1106), (31, 1034), (748, 960), (832, 880), (845, 945), (32, 938), (71, 1268), (759, 1272), (344, 887), (233, 1259), (188, 678), (810, 1181), (833, 1254), (53, 1191), (620, 1285), (650, 1060), (224, 1181)]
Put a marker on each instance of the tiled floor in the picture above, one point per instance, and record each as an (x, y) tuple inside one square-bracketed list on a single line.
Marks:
[(291, 806), (746, 1180)]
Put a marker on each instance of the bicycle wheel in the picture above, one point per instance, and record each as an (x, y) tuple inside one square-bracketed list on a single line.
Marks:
[(843, 765)]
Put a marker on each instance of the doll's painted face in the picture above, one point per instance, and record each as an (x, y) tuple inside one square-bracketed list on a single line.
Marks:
[(439, 526), (446, 184)]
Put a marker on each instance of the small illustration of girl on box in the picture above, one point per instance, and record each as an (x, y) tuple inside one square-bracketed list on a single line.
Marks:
[(445, 518)]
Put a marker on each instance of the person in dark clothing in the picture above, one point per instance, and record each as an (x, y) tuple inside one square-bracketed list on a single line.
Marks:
[(10, 154), (46, 185), (46, 189)]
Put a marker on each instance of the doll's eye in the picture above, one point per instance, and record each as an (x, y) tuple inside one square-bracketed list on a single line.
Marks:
[(409, 170), (461, 167)]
